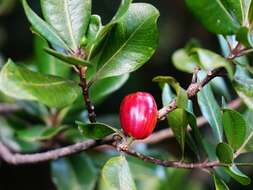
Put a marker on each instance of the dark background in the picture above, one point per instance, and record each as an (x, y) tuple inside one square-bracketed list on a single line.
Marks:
[(176, 26)]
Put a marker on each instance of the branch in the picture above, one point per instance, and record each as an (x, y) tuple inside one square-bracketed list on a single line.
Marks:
[(8, 108), (15, 158), (192, 90), (86, 97)]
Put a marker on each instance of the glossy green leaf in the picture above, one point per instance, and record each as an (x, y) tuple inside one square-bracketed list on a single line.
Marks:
[(183, 62), (243, 85), (234, 127), (39, 133), (75, 173), (167, 94), (178, 122), (95, 130), (219, 183), (46, 63), (210, 60), (131, 43), (70, 59), (214, 16), (21, 83), (225, 153), (43, 28), (69, 18), (235, 8), (192, 120), (103, 31), (248, 143), (235, 173), (244, 35), (182, 97), (211, 111), (94, 28), (116, 174), (102, 88)]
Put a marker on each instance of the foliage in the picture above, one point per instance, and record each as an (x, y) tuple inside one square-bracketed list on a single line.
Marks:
[(77, 57)]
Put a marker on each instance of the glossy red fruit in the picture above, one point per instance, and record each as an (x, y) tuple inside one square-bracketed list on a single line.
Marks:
[(138, 115)]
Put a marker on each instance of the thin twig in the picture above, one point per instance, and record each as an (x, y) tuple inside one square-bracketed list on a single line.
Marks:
[(86, 97), (192, 90), (8, 108)]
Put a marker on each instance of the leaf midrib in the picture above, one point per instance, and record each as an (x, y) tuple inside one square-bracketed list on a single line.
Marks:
[(69, 24)]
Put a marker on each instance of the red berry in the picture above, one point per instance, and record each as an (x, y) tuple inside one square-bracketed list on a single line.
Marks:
[(138, 115)]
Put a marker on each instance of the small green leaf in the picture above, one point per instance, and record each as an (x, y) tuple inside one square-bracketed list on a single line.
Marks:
[(219, 183), (21, 83), (178, 122), (76, 173), (95, 130), (235, 128), (182, 97), (211, 111), (219, 22), (43, 28), (39, 133), (46, 63), (235, 173), (69, 18), (116, 174), (130, 44), (225, 153), (70, 59), (183, 62), (243, 85)]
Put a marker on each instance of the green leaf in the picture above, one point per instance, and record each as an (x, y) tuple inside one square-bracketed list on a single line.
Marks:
[(210, 60), (211, 111), (95, 130), (70, 59), (21, 83), (103, 31), (75, 173), (47, 64), (94, 28), (248, 143), (235, 173), (219, 183), (43, 28), (182, 97), (167, 94), (123, 8), (116, 174), (183, 62), (178, 122), (244, 35), (235, 128), (69, 18), (243, 85), (39, 133), (102, 88), (192, 120), (131, 43), (225, 153), (219, 22)]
